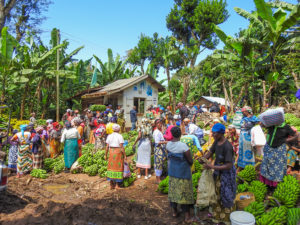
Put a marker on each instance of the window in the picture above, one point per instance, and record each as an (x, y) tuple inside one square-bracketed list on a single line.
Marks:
[(139, 103)]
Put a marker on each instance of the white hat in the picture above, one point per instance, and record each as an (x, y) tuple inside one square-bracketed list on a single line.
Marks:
[(116, 127)]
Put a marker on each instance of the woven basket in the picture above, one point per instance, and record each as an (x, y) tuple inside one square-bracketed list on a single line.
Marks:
[(241, 204)]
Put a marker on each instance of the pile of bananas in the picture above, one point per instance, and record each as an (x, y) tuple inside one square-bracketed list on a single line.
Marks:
[(259, 190), (242, 187), (256, 209), (278, 215), (287, 192), (293, 216), (248, 174), (39, 173)]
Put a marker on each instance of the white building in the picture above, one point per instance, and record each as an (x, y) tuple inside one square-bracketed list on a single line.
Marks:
[(141, 92)]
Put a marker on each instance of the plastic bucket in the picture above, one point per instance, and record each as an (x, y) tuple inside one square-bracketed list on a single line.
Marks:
[(242, 218)]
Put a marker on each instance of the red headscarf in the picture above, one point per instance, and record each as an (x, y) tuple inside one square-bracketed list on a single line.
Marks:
[(55, 125), (168, 135)]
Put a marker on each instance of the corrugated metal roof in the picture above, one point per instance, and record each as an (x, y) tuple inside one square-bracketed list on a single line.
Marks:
[(122, 84), (215, 99)]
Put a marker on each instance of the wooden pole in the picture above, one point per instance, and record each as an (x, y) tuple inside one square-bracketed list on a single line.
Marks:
[(57, 80)]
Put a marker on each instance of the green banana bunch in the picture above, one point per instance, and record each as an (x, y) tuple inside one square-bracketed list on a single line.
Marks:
[(39, 173), (59, 166), (248, 174), (128, 181), (242, 187), (277, 216), (287, 192), (293, 216), (256, 209), (259, 190)]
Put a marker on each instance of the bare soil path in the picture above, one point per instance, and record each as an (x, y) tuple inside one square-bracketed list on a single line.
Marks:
[(80, 199)]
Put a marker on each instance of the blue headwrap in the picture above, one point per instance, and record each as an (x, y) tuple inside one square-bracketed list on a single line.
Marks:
[(68, 125), (23, 128), (219, 128)]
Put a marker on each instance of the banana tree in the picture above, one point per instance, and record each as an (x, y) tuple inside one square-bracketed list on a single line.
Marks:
[(273, 25), (113, 69), (7, 64)]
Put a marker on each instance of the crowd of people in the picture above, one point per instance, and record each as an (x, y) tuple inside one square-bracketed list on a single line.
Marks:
[(170, 135)]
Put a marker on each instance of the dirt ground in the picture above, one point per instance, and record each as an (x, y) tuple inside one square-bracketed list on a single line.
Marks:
[(80, 199)]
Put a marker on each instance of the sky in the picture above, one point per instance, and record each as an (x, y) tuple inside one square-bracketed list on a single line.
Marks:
[(118, 24)]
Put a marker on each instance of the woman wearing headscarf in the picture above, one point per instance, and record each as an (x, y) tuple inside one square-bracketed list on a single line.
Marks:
[(246, 155), (159, 150), (100, 135), (144, 148), (37, 150), (115, 166), (274, 163), (13, 152), (24, 163), (54, 140), (70, 137), (180, 175), (224, 173)]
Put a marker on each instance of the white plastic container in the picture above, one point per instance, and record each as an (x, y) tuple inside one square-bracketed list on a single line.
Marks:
[(242, 218), (3, 176)]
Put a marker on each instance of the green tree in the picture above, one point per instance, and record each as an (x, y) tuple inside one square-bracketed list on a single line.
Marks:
[(142, 52), (192, 23)]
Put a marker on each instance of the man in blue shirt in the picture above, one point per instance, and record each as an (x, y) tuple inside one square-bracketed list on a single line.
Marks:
[(133, 118)]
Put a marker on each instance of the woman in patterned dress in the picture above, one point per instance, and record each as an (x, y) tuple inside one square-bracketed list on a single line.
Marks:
[(13, 152), (246, 155), (180, 175), (224, 174), (24, 163), (37, 149), (144, 148), (115, 166), (159, 150), (274, 164)]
